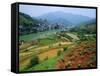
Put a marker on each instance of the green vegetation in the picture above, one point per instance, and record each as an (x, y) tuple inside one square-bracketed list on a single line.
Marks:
[(65, 48), (39, 35), (79, 66), (45, 65), (47, 41), (59, 53), (26, 23), (42, 47), (34, 61), (26, 19), (68, 66)]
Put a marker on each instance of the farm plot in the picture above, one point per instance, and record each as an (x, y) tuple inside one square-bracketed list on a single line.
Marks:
[(80, 56), (38, 35), (44, 54), (46, 48)]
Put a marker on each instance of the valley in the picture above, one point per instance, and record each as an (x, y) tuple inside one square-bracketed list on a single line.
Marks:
[(48, 43)]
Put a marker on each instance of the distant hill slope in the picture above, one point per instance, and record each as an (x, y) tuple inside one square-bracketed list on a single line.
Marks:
[(60, 20), (25, 19), (28, 25), (67, 18), (86, 27)]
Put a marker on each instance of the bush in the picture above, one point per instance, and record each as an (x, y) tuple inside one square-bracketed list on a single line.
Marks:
[(33, 62), (90, 65), (79, 66), (59, 44), (68, 66), (65, 48), (59, 52), (93, 58), (78, 42), (26, 50)]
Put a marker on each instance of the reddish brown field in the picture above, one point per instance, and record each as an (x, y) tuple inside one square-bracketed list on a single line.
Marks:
[(82, 56)]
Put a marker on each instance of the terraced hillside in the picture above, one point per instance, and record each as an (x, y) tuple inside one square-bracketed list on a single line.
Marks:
[(47, 45), (80, 56)]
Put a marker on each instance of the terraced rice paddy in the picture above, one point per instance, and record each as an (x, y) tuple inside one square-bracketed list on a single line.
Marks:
[(54, 51)]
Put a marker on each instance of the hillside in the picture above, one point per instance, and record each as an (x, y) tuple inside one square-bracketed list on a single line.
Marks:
[(28, 25), (26, 19), (55, 20), (86, 27), (69, 18)]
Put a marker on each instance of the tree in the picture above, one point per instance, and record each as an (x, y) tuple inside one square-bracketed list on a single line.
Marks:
[(65, 48), (33, 61)]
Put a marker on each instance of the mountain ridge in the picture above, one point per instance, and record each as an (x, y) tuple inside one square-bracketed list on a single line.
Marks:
[(74, 19)]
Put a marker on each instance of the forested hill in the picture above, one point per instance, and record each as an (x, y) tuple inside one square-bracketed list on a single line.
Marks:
[(28, 24), (25, 19), (86, 27)]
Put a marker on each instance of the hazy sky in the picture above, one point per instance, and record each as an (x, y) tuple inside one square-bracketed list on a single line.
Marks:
[(34, 10)]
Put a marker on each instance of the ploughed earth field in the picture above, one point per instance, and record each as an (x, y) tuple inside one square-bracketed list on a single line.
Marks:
[(52, 50)]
